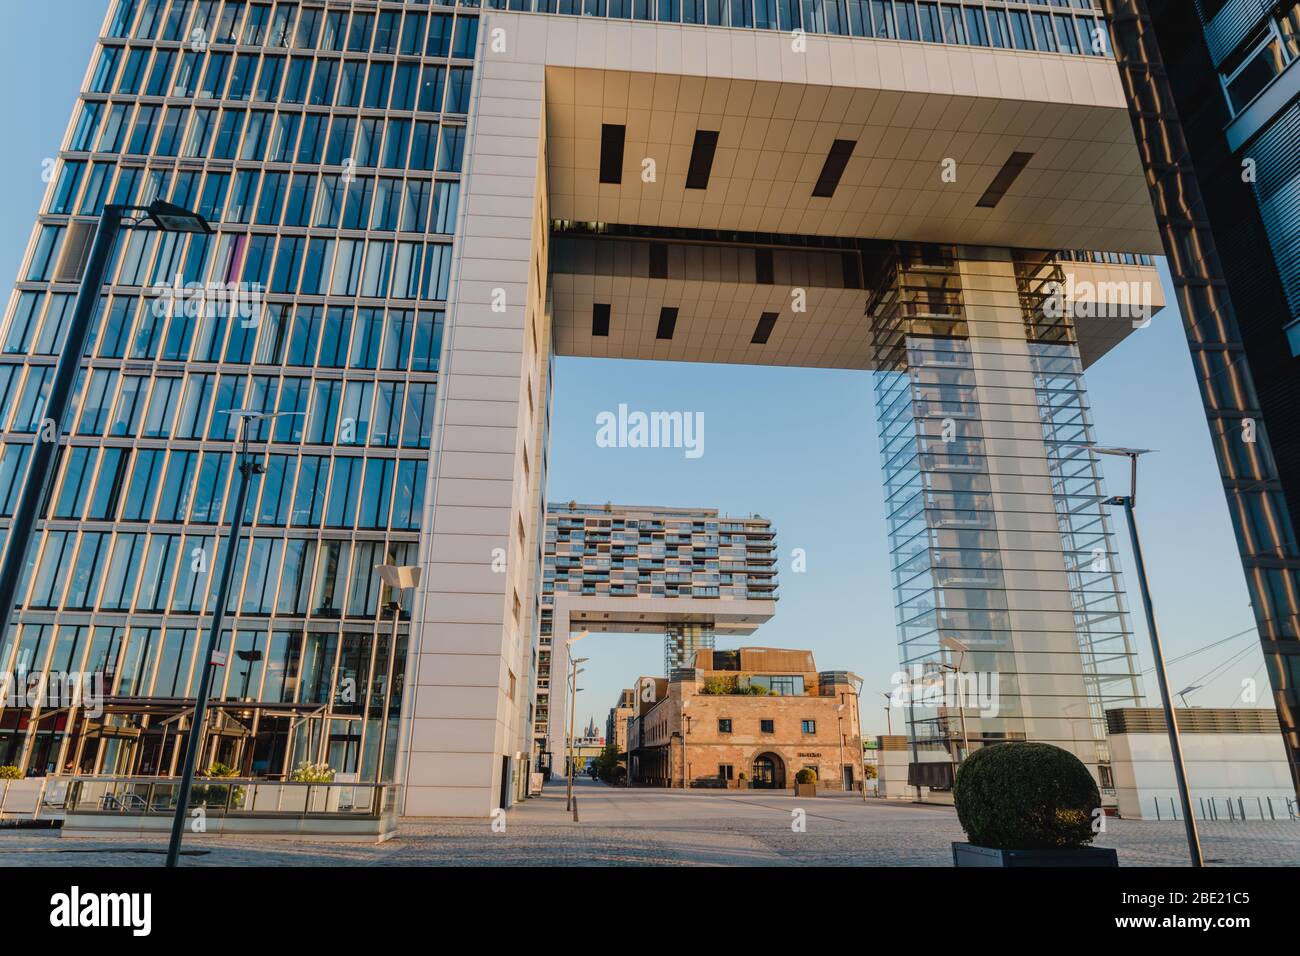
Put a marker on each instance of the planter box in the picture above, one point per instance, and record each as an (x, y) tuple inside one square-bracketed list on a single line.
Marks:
[(805, 789), (968, 854)]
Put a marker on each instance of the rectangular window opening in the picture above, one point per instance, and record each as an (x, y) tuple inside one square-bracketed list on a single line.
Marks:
[(611, 153), (1007, 175), (836, 160), (667, 322)]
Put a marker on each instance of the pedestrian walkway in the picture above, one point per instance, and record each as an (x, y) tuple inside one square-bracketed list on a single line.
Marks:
[(652, 827)]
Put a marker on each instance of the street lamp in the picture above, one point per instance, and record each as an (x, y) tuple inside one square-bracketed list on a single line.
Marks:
[(247, 469), (40, 474), (857, 683), (952, 644), (1128, 502), (686, 759), (573, 705), (399, 578), (1182, 694)]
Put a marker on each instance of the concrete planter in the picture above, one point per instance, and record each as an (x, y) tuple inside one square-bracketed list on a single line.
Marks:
[(805, 789), (968, 854)]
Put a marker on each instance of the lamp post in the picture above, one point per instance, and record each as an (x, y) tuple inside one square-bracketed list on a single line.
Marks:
[(40, 473), (1128, 502), (573, 705), (1182, 694), (952, 644), (399, 578), (857, 683), (686, 758), (247, 469)]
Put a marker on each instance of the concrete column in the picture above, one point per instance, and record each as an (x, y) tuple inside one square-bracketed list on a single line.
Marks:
[(475, 617)]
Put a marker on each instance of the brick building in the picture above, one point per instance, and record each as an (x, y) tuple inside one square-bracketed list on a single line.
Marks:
[(751, 717), (616, 722)]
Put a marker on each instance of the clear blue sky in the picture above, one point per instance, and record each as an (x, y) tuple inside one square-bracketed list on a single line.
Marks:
[(796, 445)]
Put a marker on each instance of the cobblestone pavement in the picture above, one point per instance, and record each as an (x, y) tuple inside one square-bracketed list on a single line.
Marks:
[(665, 828)]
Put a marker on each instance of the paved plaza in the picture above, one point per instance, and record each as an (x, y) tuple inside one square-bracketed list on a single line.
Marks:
[(645, 827)]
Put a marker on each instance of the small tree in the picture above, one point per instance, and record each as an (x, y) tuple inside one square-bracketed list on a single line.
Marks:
[(806, 775), (606, 762), (10, 772), (718, 685)]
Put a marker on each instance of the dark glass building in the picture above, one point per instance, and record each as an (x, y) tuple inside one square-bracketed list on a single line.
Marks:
[(1214, 88)]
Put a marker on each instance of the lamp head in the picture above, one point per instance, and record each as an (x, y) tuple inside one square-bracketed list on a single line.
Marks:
[(169, 217)]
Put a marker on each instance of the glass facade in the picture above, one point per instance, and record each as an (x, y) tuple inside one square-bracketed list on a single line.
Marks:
[(952, 527), (324, 145), (1091, 564), (946, 558), (681, 641), (1058, 26)]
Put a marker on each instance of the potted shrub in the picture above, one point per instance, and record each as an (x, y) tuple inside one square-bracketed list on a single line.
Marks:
[(805, 783), (1026, 804), (742, 781)]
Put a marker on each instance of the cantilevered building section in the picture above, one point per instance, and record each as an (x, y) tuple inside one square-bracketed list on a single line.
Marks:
[(687, 574), (834, 158)]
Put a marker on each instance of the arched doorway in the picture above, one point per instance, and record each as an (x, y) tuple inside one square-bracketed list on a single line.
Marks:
[(768, 772)]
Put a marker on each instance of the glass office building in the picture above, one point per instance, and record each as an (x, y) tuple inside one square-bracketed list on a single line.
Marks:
[(324, 146)]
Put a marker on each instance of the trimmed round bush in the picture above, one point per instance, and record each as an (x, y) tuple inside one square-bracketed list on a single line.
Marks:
[(1023, 796), (805, 776)]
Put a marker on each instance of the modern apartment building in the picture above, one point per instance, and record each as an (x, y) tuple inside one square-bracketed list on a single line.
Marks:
[(685, 573), (1215, 93), (432, 201), (752, 717)]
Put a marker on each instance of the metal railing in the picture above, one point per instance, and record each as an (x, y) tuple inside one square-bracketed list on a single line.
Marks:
[(156, 796), (1232, 809)]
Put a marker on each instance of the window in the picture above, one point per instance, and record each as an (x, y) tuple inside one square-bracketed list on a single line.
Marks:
[(808, 726), (726, 771), (766, 726), (1260, 66), (781, 685), (724, 726)]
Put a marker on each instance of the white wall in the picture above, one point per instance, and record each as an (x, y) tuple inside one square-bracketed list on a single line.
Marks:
[(1248, 766)]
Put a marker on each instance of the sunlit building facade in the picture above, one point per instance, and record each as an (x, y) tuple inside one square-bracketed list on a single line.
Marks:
[(324, 146)]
